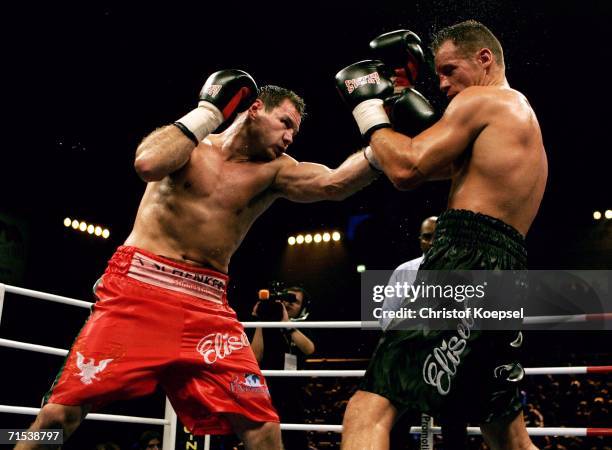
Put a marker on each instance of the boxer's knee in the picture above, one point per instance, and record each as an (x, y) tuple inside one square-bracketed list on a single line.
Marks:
[(54, 416), (508, 435), (65, 417), (367, 411), (268, 436), (256, 435)]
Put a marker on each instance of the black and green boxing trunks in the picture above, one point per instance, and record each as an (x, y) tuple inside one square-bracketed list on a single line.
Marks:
[(409, 368)]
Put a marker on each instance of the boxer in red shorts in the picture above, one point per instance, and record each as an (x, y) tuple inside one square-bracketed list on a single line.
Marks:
[(191, 330), (162, 316)]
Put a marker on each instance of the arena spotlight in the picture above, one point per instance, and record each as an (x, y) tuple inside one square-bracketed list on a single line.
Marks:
[(361, 268), (88, 228), (608, 213), (317, 237), (596, 215)]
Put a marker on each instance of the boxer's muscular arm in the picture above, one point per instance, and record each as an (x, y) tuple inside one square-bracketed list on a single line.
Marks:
[(168, 149), (310, 182), (162, 152), (410, 161)]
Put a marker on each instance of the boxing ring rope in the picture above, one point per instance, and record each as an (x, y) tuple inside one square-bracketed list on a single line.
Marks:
[(91, 416), (473, 431), (169, 422)]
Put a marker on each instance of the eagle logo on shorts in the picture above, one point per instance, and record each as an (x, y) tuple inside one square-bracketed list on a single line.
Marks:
[(90, 369)]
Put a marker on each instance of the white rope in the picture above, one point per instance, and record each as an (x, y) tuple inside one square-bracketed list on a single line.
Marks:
[(49, 297), (543, 431), (533, 431), (305, 373), (530, 320), (313, 373), (555, 370), (571, 318), (33, 347), (104, 417), (310, 427), (127, 419), (327, 324), (360, 373)]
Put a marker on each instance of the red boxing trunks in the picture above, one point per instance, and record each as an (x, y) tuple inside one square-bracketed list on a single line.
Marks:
[(159, 321)]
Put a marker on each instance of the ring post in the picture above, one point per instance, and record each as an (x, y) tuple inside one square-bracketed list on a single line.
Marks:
[(426, 432), (2, 291), (169, 441)]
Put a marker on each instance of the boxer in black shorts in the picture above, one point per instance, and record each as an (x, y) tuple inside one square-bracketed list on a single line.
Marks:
[(398, 369), (488, 142)]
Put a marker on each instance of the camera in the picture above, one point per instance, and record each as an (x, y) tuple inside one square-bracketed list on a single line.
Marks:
[(270, 307)]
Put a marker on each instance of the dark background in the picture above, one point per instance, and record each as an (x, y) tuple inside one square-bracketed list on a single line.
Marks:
[(83, 84)]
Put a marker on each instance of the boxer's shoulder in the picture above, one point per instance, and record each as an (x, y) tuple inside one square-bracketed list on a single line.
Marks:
[(282, 162), (486, 102)]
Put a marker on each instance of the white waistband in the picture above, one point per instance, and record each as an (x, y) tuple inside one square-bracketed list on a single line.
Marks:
[(204, 286)]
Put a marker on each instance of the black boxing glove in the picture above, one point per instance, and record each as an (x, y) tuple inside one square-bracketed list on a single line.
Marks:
[(363, 86), (400, 50), (225, 94), (410, 112)]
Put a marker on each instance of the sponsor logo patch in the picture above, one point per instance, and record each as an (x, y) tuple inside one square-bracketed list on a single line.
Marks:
[(150, 271), (213, 90), (249, 383), (355, 83)]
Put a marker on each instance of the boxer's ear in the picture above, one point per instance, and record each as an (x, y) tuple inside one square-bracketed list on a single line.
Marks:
[(256, 107), (485, 57)]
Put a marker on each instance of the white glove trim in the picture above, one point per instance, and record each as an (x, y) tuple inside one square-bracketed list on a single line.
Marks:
[(370, 113), (203, 120)]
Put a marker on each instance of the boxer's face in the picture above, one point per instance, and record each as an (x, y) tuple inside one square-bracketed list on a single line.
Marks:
[(455, 70), (276, 128)]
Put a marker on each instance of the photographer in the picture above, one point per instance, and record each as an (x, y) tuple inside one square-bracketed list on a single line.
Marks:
[(284, 348)]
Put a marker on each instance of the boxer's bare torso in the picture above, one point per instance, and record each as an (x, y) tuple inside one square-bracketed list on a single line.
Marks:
[(488, 141), (503, 172), (200, 202), (201, 213)]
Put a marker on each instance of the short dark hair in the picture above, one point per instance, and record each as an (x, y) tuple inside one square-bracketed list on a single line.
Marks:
[(469, 36), (146, 437), (306, 299), (298, 289), (272, 96)]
